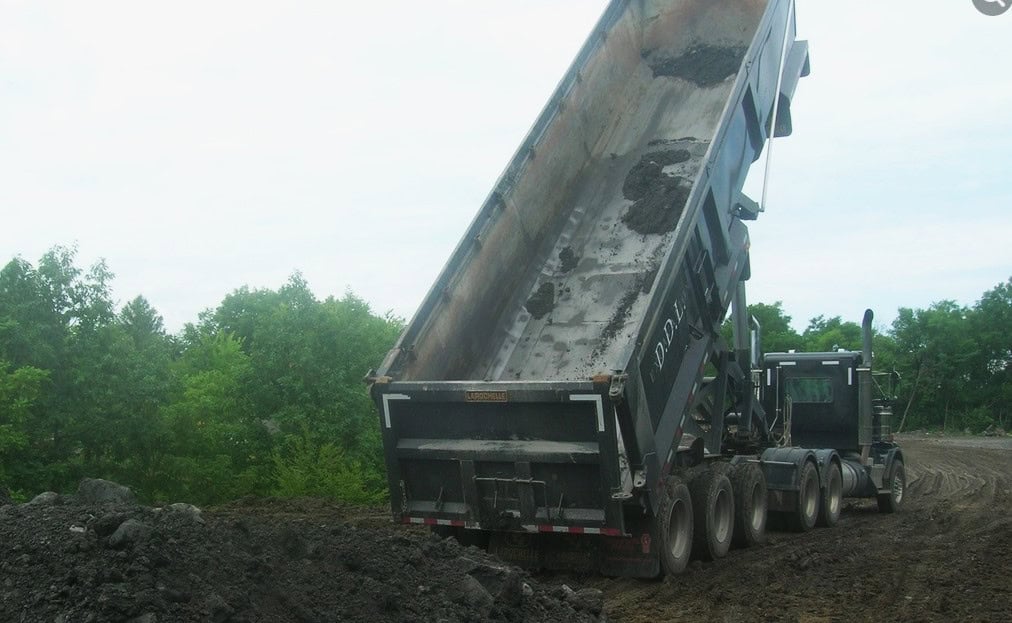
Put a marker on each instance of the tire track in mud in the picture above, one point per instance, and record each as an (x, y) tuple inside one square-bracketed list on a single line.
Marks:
[(945, 556)]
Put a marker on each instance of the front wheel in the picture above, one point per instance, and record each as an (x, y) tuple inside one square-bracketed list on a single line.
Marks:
[(896, 484), (675, 527)]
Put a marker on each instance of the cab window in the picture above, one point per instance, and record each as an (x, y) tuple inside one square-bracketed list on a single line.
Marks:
[(812, 389)]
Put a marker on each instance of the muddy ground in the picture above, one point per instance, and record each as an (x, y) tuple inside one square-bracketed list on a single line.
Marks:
[(947, 556)]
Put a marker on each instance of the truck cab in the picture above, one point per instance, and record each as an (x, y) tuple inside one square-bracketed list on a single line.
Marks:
[(834, 400), (815, 399)]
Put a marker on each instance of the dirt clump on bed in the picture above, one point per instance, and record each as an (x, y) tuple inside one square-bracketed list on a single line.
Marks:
[(658, 198), (704, 65), (542, 302)]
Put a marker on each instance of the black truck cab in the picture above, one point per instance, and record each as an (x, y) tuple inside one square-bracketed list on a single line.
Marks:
[(813, 398)]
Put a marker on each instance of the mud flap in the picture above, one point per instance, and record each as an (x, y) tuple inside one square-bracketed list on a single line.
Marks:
[(522, 550), (633, 556), (570, 552), (636, 555), (556, 552)]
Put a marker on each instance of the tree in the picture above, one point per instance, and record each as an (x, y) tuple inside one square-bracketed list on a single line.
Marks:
[(991, 372), (935, 348), (828, 334), (777, 334), (19, 393)]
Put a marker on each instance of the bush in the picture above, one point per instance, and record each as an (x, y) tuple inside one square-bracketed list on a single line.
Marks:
[(304, 467), (976, 420)]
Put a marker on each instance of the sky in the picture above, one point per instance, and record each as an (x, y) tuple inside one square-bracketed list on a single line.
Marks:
[(201, 146)]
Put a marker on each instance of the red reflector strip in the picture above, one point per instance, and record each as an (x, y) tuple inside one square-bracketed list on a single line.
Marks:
[(579, 530), (432, 521)]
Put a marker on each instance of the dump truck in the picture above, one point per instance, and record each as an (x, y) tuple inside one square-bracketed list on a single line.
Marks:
[(563, 395)]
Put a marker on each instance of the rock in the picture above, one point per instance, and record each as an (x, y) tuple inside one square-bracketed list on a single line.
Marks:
[(98, 491), (503, 583), (107, 524), (49, 498), (145, 618), (589, 599), (189, 510), (129, 532), (470, 592)]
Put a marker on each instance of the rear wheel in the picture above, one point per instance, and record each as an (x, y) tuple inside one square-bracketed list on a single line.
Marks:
[(805, 513), (675, 527), (750, 504), (713, 514), (832, 498), (896, 483)]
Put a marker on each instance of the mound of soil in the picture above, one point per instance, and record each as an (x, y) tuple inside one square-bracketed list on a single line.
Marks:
[(71, 562), (542, 301), (705, 65), (658, 198)]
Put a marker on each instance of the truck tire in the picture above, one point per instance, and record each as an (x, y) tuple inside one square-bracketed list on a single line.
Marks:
[(675, 526), (750, 504), (832, 498), (713, 514), (896, 483), (806, 512)]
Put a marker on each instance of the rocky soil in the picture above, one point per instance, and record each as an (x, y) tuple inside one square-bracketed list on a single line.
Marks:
[(98, 556)]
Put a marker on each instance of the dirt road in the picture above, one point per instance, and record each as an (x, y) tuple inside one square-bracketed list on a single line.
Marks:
[(947, 556)]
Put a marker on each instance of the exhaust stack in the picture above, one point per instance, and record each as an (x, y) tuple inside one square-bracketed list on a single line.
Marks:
[(864, 407), (869, 315)]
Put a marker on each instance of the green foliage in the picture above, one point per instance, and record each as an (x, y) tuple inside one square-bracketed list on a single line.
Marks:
[(304, 467), (825, 335), (202, 417), (777, 335), (19, 393)]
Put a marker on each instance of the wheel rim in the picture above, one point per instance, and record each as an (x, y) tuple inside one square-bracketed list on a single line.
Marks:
[(722, 516), (811, 495), (835, 494), (758, 508), (898, 485), (678, 528)]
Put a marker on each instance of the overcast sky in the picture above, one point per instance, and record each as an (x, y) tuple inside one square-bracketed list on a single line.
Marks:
[(202, 146)]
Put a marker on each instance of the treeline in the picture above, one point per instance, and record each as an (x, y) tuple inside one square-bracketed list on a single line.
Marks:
[(954, 362), (262, 395)]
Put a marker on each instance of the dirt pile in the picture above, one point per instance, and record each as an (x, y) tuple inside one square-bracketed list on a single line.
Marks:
[(658, 198), (705, 65), (68, 561)]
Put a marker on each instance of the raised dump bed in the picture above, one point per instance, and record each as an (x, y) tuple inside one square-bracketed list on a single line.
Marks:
[(556, 356)]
